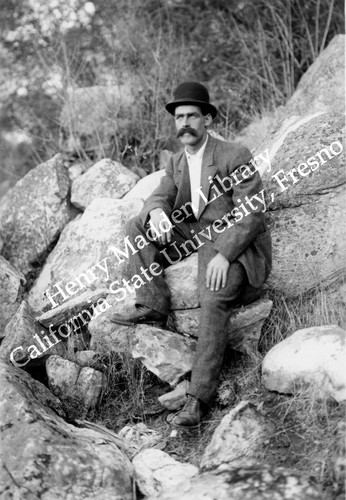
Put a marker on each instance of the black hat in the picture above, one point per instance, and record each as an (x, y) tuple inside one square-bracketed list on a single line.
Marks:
[(192, 93)]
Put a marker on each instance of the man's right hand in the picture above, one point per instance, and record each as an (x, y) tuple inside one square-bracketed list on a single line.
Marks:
[(159, 223)]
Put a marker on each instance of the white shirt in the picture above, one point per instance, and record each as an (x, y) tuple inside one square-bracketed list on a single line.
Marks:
[(195, 168)]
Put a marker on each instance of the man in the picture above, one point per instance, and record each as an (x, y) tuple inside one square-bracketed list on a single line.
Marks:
[(208, 201)]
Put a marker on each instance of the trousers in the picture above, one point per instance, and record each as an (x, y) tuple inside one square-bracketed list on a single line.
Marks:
[(216, 306)]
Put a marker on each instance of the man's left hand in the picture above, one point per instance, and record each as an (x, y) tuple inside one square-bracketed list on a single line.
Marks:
[(217, 270)]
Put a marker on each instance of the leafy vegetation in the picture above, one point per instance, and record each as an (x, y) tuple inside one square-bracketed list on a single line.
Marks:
[(250, 53)]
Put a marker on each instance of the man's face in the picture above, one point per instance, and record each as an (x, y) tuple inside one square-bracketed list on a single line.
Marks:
[(191, 124)]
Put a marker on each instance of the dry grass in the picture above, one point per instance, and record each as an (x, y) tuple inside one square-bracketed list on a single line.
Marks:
[(309, 432)]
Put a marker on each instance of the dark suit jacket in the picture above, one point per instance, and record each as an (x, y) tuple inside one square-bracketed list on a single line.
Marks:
[(248, 240)]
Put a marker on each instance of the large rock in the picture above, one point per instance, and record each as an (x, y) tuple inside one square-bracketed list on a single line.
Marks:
[(247, 483), (306, 207), (155, 470), (82, 259), (11, 289), (93, 116), (145, 187), (26, 340), (181, 279), (107, 336), (79, 388), (45, 457), (311, 358), (73, 307), (105, 179), (244, 327), (33, 214), (238, 439), (182, 282), (306, 212), (322, 87), (166, 354)]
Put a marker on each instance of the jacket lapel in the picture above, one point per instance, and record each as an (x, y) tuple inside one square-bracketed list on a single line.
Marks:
[(208, 172), (184, 192)]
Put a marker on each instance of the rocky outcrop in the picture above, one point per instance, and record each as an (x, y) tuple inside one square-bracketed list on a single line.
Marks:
[(105, 179), (244, 327), (302, 164), (305, 192), (248, 483), (181, 279), (45, 457), (321, 88), (11, 290), (155, 470), (33, 214), (238, 439), (166, 354), (313, 359), (78, 388), (27, 341), (169, 353), (145, 187), (82, 259)]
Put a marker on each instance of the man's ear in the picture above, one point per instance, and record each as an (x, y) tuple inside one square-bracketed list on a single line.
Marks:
[(208, 119)]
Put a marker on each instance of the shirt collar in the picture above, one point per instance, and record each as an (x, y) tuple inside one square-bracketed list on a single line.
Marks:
[(199, 153)]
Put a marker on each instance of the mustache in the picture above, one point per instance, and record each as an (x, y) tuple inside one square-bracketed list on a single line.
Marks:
[(186, 129)]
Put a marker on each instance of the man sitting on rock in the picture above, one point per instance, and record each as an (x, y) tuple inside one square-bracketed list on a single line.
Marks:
[(211, 200)]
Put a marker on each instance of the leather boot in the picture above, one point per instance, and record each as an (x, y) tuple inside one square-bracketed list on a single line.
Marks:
[(140, 315), (190, 415)]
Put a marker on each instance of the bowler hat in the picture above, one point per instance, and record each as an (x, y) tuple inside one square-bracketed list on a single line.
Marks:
[(192, 93)]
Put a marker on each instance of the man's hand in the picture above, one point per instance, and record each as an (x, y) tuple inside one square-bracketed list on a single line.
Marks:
[(159, 223), (216, 275)]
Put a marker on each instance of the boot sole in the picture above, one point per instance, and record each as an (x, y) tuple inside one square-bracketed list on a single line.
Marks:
[(157, 324), (170, 421)]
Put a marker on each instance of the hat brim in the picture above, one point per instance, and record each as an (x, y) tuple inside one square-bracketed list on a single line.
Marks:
[(170, 107)]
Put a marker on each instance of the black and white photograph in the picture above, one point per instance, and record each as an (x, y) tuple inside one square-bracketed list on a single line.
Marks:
[(172, 250)]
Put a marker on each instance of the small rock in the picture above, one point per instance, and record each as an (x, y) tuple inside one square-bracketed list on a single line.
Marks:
[(11, 289), (86, 358), (106, 179), (76, 170), (141, 436), (312, 357), (155, 470), (175, 399), (238, 439), (166, 354), (78, 388)]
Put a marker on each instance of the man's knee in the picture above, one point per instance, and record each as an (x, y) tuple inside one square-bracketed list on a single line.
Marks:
[(134, 226), (226, 296)]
